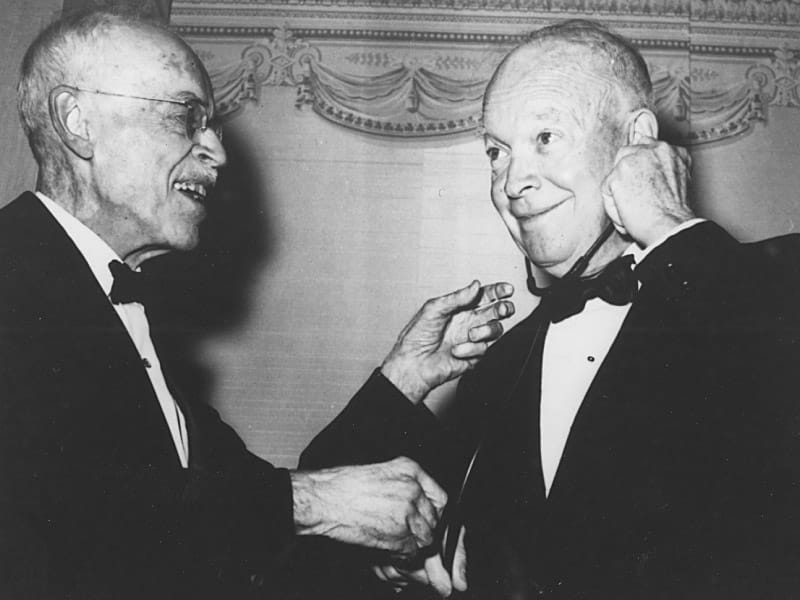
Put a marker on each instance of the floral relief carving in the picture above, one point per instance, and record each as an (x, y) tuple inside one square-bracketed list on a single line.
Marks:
[(279, 60), (754, 11), (778, 83), (370, 59)]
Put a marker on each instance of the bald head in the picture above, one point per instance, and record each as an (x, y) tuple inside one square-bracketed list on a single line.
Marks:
[(614, 73)]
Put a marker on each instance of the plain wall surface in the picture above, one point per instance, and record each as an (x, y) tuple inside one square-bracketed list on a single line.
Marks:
[(21, 21)]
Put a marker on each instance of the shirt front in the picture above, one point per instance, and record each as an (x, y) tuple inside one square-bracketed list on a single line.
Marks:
[(574, 349), (98, 255)]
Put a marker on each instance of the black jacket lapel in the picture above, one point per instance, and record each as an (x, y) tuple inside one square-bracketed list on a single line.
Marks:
[(75, 313)]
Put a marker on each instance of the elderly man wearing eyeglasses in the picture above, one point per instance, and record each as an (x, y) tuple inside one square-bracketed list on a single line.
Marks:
[(113, 484)]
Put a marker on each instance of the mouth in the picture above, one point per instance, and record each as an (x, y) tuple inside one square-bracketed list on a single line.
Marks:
[(539, 212), (195, 191)]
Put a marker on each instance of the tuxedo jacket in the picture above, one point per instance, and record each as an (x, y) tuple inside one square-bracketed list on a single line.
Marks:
[(93, 500), (680, 475)]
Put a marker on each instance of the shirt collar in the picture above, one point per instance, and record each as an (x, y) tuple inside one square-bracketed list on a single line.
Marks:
[(95, 251)]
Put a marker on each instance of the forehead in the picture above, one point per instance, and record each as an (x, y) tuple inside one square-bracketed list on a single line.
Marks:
[(555, 83), (145, 62)]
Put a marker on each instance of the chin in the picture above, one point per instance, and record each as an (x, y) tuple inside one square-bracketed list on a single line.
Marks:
[(552, 265), (185, 240)]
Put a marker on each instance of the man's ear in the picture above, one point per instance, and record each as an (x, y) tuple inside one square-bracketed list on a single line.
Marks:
[(69, 122), (642, 126)]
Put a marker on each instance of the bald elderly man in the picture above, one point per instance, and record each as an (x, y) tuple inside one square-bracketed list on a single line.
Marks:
[(637, 435), (112, 484)]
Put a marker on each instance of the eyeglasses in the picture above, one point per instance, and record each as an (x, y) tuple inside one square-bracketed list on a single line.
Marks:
[(197, 118)]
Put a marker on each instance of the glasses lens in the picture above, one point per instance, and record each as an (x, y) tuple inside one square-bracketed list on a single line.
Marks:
[(197, 120)]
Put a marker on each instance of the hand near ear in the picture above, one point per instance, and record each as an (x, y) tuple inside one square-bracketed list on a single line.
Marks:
[(645, 192)]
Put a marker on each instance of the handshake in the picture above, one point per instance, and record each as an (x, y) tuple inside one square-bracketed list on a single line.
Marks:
[(392, 506), (396, 506)]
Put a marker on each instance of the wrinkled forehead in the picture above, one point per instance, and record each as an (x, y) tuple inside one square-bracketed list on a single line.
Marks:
[(143, 61), (560, 74)]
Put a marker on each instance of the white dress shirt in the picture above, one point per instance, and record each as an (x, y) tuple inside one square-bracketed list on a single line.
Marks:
[(574, 349), (98, 254)]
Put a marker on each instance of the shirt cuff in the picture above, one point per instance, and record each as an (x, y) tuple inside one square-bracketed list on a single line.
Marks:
[(639, 254)]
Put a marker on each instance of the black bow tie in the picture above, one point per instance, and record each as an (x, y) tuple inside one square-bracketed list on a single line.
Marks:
[(129, 286), (616, 284)]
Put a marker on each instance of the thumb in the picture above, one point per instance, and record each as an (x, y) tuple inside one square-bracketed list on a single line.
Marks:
[(610, 204), (437, 576), (643, 139), (458, 300), (460, 564)]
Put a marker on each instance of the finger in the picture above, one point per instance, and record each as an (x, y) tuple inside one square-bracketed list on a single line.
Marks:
[(609, 202), (389, 574), (437, 576), (427, 511), (469, 350), (646, 140), (433, 491), (460, 564), (492, 312), (405, 547), (495, 291), (421, 530), (455, 301), (623, 153), (419, 576), (486, 333), (683, 160), (610, 206)]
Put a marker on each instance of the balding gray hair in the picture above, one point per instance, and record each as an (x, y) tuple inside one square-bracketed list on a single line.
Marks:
[(51, 61), (625, 62), (625, 67)]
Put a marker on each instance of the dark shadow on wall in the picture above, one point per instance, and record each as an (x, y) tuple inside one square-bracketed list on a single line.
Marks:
[(207, 292)]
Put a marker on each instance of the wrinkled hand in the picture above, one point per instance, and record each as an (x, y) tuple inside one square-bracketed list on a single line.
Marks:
[(431, 573), (393, 506), (645, 193), (446, 337)]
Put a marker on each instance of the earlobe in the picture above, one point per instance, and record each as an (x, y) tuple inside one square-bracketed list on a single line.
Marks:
[(642, 127), (69, 122)]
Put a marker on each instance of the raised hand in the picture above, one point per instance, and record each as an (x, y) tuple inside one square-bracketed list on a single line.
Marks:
[(645, 195), (446, 337), (393, 506)]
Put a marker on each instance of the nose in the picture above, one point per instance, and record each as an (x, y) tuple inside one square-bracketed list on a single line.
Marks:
[(209, 149), (522, 175)]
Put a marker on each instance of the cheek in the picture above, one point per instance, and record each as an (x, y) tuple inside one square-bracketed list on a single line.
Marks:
[(582, 173), (497, 192)]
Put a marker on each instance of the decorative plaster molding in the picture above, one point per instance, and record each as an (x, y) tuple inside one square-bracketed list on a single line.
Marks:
[(650, 7), (417, 68), (779, 82), (404, 92), (151, 9), (280, 59), (738, 11), (726, 22)]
